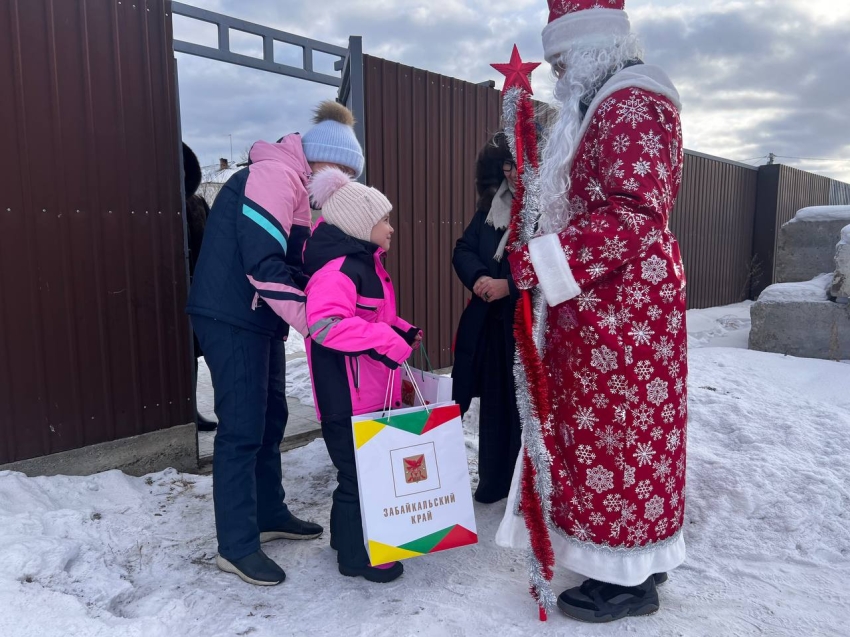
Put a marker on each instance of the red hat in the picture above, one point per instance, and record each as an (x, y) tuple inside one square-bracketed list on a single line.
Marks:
[(583, 23)]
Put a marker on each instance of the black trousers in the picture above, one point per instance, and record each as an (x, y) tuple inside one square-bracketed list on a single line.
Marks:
[(346, 524), (499, 431)]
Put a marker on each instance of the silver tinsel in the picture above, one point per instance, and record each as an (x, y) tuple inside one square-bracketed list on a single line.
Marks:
[(545, 595), (532, 428)]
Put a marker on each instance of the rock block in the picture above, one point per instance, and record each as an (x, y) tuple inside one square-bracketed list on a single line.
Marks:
[(806, 245)]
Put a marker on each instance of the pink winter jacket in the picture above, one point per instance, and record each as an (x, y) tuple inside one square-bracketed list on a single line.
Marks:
[(356, 340)]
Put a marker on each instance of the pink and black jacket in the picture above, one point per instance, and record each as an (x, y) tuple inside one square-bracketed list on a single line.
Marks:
[(249, 269), (356, 339)]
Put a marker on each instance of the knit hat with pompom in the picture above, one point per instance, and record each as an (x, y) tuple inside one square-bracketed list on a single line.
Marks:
[(346, 204), (332, 139)]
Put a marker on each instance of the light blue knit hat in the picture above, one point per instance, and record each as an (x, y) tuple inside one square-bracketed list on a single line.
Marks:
[(332, 138)]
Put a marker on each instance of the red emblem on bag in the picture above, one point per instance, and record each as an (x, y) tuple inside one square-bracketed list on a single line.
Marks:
[(415, 469)]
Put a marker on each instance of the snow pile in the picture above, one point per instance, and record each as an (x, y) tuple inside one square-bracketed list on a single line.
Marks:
[(767, 529), (298, 383), (803, 292), (822, 213), (845, 236), (295, 343), (727, 326)]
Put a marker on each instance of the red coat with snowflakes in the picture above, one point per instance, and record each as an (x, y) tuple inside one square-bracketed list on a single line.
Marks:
[(616, 343)]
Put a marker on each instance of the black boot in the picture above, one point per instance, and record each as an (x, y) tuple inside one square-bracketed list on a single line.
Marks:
[(293, 529), (598, 602), (256, 568), (381, 575), (204, 424)]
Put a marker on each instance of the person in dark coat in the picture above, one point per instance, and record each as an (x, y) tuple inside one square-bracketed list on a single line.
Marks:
[(484, 348), (197, 212)]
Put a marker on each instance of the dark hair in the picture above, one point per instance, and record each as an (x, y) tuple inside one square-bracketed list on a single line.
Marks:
[(488, 169)]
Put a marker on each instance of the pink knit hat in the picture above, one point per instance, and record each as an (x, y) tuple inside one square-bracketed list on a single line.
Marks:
[(347, 204), (583, 24)]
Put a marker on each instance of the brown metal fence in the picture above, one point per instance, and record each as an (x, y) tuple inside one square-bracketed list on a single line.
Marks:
[(713, 221), (94, 344), (423, 132)]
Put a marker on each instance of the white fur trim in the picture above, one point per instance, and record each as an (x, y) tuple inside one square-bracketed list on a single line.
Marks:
[(552, 269), (586, 29), (625, 567)]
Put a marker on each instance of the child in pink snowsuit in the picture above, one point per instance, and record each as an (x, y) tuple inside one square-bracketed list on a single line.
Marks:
[(356, 341)]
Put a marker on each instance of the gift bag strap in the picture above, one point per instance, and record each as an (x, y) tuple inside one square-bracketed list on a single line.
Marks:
[(416, 387)]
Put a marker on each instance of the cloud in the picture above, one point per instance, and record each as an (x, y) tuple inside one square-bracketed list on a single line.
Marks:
[(756, 77)]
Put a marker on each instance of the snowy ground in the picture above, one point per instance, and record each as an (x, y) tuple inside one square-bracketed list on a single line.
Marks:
[(768, 533)]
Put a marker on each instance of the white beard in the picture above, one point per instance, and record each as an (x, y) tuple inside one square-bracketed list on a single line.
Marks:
[(586, 70)]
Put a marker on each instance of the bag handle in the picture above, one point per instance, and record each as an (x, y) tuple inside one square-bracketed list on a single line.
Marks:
[(416, 387)]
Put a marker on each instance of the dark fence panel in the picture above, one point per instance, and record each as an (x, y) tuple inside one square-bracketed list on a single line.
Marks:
[(782, 191), (94, 344), (423, 133), (713, 221)]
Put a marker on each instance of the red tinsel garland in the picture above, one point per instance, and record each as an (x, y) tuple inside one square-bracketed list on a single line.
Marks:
[(532, 507)]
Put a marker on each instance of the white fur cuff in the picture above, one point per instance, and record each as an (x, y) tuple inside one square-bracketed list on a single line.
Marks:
[(553, 272), (589, 28)]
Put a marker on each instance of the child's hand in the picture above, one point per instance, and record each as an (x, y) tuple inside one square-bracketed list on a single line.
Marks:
[(417, 342)]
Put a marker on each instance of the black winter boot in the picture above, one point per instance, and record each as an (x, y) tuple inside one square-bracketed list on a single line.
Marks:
[(379, 574), (293, 529), (598, 602), (256, 568), (204, 424)]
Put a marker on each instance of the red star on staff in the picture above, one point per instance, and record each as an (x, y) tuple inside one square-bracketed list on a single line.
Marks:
[(517, 72)]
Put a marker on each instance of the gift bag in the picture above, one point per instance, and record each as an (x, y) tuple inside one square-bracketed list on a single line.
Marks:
[(412, 472), (432, 387)]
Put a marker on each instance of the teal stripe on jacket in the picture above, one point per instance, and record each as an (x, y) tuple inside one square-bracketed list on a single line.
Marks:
[(265, 224)]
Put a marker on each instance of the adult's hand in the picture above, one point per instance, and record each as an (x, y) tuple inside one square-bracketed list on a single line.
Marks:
[(495, 289), (478, 288)]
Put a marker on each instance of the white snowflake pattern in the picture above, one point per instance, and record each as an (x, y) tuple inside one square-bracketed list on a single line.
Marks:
[(631, 185), (604, 359), (668, 413), (643, 416), (661, 527), (654, 270), (644, 453), (673, 438), (618, 384), (621, 143), (642, 333), (614, 172), (670, 484), (600, 479), (612, 502), (642, 168), (643, 370), (683, 405), (674, 500), (643, 489), (597, 518), (657, 433), (668, 292), (663, 171), (610, 319), (674, 369), (587, 300), (657, 391), (638, 295), (601, 401), (637, 533), (654, 508), (680, 465), (594, 190), (631, 441), (614, 248), (609, 439), (589, 335), (674, 322), (663, 349), (597, 270), (651, 143), (585, 255), (628, 477), (585, 454), (654, 312), (585, 418), (633, 111), (587, 379), (661, 469), (583, 533)]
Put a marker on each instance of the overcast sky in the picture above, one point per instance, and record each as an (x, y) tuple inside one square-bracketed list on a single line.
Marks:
[(755, 76)]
